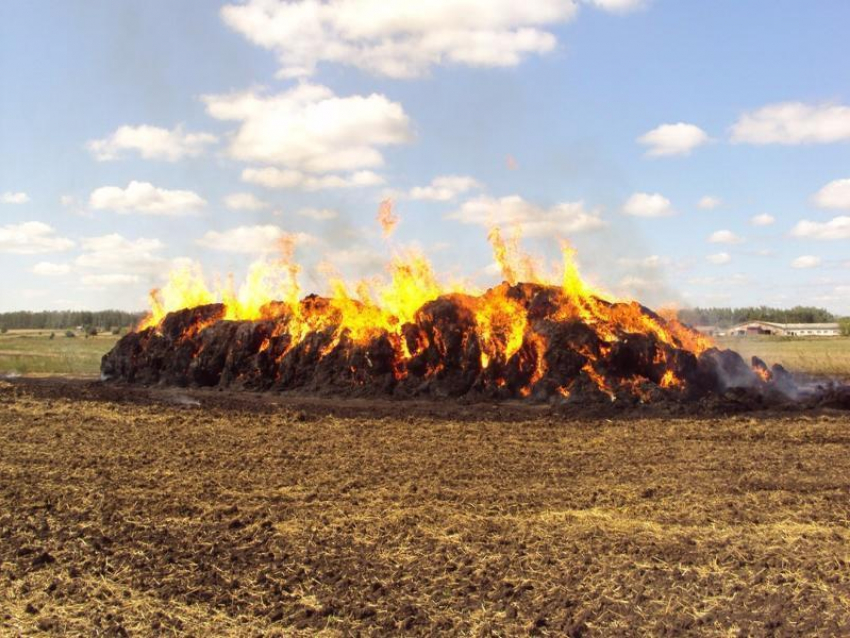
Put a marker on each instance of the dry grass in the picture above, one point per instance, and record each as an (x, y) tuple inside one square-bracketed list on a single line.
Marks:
[(818, 356), (167, 520)]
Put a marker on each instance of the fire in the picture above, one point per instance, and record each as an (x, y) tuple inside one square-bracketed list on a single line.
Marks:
[(387, 218), (185, 289), (669, 380), (515, 265), (502, 325), (508, 336)]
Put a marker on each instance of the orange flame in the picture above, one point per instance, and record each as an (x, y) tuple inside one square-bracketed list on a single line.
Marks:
[(387, 218), (514, 263)]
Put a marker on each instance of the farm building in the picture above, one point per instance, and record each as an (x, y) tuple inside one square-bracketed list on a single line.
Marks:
[(754, 328)]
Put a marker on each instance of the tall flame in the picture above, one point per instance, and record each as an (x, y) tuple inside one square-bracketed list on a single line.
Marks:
[(514, 263)]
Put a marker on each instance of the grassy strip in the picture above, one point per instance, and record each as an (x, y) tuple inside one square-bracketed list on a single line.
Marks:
[(37, 353)]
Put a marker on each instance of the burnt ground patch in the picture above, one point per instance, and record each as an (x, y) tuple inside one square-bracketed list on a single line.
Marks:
[(140, 511)]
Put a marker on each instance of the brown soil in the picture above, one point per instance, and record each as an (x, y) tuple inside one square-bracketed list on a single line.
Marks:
[(126, 511)]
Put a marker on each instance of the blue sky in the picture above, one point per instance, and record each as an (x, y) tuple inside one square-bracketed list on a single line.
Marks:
[(693, 152)]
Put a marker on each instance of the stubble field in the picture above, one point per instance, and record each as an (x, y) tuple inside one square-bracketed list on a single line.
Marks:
[(147, 512)]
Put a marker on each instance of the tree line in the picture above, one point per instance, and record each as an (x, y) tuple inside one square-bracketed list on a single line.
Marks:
[(725, 317), (63, 319)]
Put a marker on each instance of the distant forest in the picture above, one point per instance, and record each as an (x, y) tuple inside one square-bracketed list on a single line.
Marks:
[(725, 317), (62, 319)]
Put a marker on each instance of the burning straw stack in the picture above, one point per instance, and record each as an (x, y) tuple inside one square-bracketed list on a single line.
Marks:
[(537, 344)]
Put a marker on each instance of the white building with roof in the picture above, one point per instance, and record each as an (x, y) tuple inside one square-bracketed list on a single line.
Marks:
[(754, 328)]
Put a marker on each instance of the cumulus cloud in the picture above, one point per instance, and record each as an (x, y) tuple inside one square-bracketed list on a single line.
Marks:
[(14, 198), (244, 201), (112, 279), (648, 205), (150, 142), (145, 198), (794, 123), (31, 238), (271, 177), (444, 188), (318, 214), (310, 130), (806, 261), (618, 6), (402, 39), (115, 252), (719, 258), (724, 237), (835, 195), (49, 269), (251, 239), (535, 221), (835, 228), (673, 139), (709, 203), (762, 220), (361, 259), (651, 262)]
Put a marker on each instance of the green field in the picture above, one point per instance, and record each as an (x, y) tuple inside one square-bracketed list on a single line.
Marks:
[(34, 352), (821, 356)]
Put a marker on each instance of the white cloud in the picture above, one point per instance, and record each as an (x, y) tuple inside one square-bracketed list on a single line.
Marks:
[(147, 199), (115, 252), (49, 269), (401, 39), (318, 214), (633, 283), (736, 279), (806, 261), (618, 6), (67, 200), (648, 205), (673, 139), (513, 211), (151, 142), (835, 195), (14, 198), (835, 228), (112, 279), (31, 238), (709, 203), (719, 258), (724, 237), (362, 259), (444, 188), (651, 262), (270, 177), (250, 239), (762, 220), (794, 123), (838, 294), (244, 201), (311, 130)]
